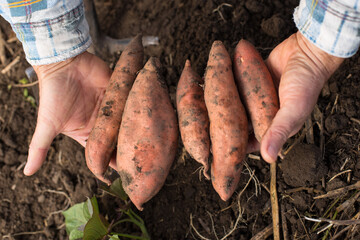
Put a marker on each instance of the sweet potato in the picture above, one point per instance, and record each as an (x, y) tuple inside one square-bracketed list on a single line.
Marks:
[(193, 116), (102, 139), (148, 136), (228, 122), (255, 86)]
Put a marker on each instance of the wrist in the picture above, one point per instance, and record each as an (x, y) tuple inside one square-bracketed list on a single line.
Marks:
[(330, 25), (49, 40), (325, 63), (46, 69)]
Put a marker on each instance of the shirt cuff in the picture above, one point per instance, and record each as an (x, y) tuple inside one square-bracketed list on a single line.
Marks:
[(333, 26), (55, 39)]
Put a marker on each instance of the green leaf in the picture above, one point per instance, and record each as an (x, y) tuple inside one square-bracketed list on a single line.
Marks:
[(88, 209), (114, 237), (75, 220), (9, 86), (31, 100), (23, 81), (117, 189), (76, 235), (26, 92), (97, 226)]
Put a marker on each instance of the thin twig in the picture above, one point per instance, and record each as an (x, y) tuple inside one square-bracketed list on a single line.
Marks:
[(345, 162), (204, 226), (196, 231), (341, 232), (334, 222), (212, 224), (11, 65), (3, 57), (355, 120), (253, 177), (235, 225), (266, 188), (26, 85), (253, 156), (11, 40), (340, 173), (20, 166), (11, 235), (298, 140), (219, 11), (335, 103), (326, 213), (339, 191), (284, 223), (299, 189), (239, 195), (263, 234), (274, 202), (302, 223), (247, 184), (68, 203), (348, 203)]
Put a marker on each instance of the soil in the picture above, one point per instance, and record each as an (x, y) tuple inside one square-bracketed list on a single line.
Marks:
[(187, 206)]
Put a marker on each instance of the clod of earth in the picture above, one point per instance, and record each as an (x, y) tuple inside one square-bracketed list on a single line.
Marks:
[(303, 166)]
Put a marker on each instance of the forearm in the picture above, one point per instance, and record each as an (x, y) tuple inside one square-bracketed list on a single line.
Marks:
[(331, 25), (49, 33)]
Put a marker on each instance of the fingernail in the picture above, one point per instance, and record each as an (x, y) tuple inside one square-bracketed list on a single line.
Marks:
[(26, 170), (273, 152)]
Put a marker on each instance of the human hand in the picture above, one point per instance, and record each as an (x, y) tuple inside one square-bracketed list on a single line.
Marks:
[(299, 70), (70, 95)]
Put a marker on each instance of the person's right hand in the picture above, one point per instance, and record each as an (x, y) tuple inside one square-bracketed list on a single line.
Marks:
[(300, 70), (70, 95)]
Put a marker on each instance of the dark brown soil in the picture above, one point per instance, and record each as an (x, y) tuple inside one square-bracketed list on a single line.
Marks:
[(186, 30)]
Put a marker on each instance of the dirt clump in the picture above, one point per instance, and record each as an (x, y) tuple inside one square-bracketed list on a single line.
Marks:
[(303, 165)]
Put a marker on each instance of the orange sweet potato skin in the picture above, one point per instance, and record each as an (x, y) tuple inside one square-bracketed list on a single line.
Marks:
[(228, 122), (193, 116), (102, 139), (148, 136), (255, 86)]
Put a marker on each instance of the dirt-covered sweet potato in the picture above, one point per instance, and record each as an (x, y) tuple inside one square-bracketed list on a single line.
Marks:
[(193, 116), (103, 137), (228, 122), (148, 136), (255, 86)]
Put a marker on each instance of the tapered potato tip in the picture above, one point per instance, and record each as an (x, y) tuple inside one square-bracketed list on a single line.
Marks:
[(153, 64), (226, 185), (187, 63), (217, 44), (138, 205), (244, 43), (135, 43), (218, 54), (247, 49)]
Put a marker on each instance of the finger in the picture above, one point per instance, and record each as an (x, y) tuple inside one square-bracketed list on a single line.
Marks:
[(112, 162), (39, 146), (284, 125), (253, 144)]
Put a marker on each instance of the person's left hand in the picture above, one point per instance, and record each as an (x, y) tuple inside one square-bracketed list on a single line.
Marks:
[(70, 95)]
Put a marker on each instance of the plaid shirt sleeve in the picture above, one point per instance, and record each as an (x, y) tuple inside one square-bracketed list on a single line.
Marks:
[(332, 25), (49, 30)]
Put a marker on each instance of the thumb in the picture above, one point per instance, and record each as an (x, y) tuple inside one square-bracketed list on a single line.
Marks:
[(39, 146), (284, 125), (298, 92)]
